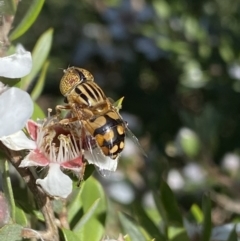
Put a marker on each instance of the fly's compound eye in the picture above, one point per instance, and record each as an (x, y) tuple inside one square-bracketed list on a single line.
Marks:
[(81, 75)]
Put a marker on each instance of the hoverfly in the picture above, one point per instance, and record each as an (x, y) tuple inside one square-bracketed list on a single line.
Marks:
[(102, 128)]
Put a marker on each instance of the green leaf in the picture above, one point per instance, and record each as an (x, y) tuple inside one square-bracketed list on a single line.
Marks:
[(85, 218), (93, 200), (131, 228), (11, 82), (233, 235), (89, 169), (28, 19), (197, 213), (92, 190), (190, 144), (69, 235), (8, 7), (148, 224), (180, 236), (11, 232), (127, 238), (118, 103), (40, 83), (93, 231), (38, 215), (75, 204), (8, 191), (162, 8), (207, 225), (21, 217), (37, 112), (170, 205), (39, 56), (160, 206)]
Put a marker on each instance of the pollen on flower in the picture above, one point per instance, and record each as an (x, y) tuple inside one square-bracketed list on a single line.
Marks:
[(57, 142), (58, 147)]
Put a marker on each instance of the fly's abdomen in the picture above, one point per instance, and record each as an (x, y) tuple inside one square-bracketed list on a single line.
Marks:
[(109, 132)]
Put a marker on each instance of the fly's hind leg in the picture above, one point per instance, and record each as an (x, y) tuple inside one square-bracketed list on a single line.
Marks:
[(81, 174)]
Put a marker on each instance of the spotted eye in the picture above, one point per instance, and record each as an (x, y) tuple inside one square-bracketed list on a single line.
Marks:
[(81, 75)]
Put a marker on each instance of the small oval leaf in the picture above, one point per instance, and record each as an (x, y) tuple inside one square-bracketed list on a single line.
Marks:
[(37, 90), (20, 217), (28, 19), (39, 56), (69, 235), (11, 232), (131, 228), (84, 219)]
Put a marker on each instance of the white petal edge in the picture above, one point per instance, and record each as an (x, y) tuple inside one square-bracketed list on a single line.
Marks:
[(16, 65), (101, 161), (16, 107), (18, 141), (56, 183)]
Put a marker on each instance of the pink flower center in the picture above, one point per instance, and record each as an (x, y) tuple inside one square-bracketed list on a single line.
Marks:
[(58, 142)]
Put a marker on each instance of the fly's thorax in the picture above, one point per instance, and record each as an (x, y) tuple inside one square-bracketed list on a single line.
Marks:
[(89, 94)]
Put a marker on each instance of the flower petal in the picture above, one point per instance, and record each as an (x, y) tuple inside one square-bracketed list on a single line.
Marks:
[(73, 164), (32, 127), (56, 183), (18, 141), (34, 158), (16, 65), (76, 166), (16, 107)]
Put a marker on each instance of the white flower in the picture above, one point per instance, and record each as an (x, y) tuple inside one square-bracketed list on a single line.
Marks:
[(194, 173), (175, 180), (18, 141), (16, 65), (16, 107), (56, 183), (56, 148)]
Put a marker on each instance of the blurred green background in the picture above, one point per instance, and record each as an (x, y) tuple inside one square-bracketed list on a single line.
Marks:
[(177, 63)]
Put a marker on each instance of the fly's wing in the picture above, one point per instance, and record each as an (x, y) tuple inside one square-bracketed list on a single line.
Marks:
[(134, 139), (93, 153)]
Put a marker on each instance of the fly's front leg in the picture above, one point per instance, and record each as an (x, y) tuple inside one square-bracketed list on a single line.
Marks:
[(66, 120), (60, 108)]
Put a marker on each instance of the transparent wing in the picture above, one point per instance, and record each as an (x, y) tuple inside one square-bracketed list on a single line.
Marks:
[(134, 139)]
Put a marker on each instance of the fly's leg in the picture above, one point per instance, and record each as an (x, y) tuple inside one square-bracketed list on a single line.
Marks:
[(66, 120), (60, 108), (81, 174)]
